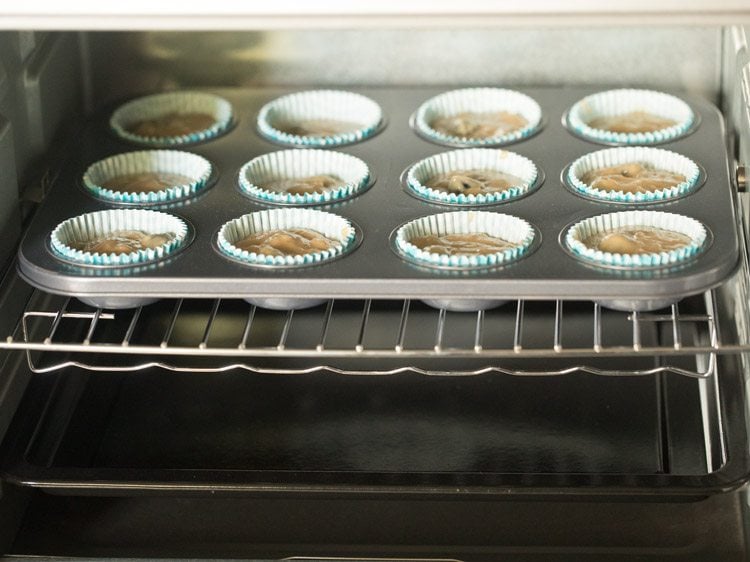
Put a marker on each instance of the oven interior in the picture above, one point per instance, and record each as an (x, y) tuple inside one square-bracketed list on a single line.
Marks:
[(364, 427)]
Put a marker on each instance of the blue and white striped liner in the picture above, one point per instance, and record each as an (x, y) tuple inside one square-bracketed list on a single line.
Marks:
[(320, 104), (157, 105), (328, 224), (95, 225), (478, 100), (613, 221), (197, 168), (657, 158), (506, 227), (618, 102), (472, 159), (288, 164)]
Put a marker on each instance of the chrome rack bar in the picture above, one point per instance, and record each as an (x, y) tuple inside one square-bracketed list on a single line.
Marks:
[(557, 346), (131, 328), (439, 330), (56, 321), (676, 329), (363, 326), (669, 317), (285, 331), (210, 324), (92, 327), (248, 327), (172, 322), (402, 326), (597, 327), (478, 332), (709, 389), (489, 353), (518, 330), (326, 323), (636, 330)]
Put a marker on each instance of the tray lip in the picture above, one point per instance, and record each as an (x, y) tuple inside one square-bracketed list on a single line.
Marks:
[(73, 287), (399, 285), (732, 475)]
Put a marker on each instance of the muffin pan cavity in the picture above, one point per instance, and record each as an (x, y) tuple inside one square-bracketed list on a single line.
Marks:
[(320, 118), (172, 119)]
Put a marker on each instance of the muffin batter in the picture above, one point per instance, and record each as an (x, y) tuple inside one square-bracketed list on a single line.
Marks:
[(320, 127), (123, 242), (172, 125), (461, 244), (632, 122), (473, 182), (637, 240), (473, 125), (286, 242), (145, 182), (301, 186), (632, 177)]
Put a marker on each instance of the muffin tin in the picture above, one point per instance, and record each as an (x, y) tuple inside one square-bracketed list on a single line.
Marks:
[(374, 269)]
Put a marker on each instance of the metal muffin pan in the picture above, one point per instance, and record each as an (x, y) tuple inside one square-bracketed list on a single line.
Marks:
[(373, 270)]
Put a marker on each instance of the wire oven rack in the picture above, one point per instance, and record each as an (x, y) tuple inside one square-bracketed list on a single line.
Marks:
[(529, 338)]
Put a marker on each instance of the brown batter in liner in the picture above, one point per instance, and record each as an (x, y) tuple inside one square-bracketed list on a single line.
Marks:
[(479, 125), (172, 125), (478, 243), (145, 182), (320, 127), (301, 186), (286, 242), (123, 242), (637, 240), (632, 177), (632, 122), (473, 182)]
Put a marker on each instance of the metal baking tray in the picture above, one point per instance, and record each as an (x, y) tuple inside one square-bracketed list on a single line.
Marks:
[(374, 270)]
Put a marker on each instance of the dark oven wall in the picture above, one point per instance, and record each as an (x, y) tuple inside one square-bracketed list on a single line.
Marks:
[(41, 96)]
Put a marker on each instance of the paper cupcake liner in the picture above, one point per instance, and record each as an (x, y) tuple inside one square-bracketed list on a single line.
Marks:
[(657, 219), (657, 158), (507, 227), (328, 224), (478, 100), (197, 168), (100, 223), (150, 107), (617, 102), (320, 104), (299, 164), (472, 159)]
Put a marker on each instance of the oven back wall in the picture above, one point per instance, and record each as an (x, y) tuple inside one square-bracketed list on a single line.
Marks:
[(124, 64)]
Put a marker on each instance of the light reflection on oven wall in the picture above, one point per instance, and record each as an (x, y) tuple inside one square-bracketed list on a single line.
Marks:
[(125, 64)]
